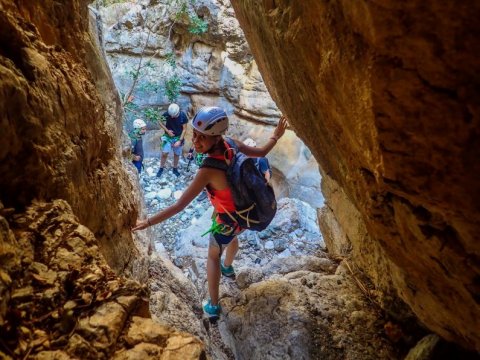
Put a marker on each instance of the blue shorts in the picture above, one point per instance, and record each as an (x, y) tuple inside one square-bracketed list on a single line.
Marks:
[(167, 147), (138, 165)]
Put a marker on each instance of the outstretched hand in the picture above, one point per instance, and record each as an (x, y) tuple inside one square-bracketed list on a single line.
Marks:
[(140, 225), (281, 126)]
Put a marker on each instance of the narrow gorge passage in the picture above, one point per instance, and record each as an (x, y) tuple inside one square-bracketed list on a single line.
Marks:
[(212, 67)]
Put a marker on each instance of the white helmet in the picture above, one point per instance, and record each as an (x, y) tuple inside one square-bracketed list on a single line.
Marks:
[(139, 123), (211, 120), (173, 110), (250, 142)]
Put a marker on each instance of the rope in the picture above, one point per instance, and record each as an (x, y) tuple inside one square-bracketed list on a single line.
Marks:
[(217, 228)]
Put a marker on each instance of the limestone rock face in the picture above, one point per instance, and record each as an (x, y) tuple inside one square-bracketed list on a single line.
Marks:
[(61, 122), (390, 110), (217, 64), (66, 302), (346, 233), (308, 313)]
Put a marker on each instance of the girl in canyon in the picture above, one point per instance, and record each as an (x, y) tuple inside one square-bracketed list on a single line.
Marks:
[(209, 126)]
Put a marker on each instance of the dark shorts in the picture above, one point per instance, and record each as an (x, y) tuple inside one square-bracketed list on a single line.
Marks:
[(138, 165), (225, 236)]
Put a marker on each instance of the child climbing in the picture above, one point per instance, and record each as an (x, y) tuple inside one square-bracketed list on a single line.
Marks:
[(209, 126)]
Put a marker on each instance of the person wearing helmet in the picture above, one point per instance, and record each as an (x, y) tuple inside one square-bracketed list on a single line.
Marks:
[(209, 126), (175, 129), (139, 129), (262, 162)]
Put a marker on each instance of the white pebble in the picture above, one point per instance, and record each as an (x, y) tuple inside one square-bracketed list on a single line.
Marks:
[(177, 194), (164, 193), (269, 245)]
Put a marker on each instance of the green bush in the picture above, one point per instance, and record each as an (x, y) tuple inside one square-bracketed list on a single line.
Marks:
[(153, 115), (197, 25), (171, 60), (172, 87), (148, 87)]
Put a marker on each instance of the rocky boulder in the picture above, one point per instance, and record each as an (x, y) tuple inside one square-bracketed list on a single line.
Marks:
[(309, 312), (293, 232), (60, 299)]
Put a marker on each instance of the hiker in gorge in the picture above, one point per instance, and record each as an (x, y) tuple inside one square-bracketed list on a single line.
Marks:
[(175, 130), (139, 129), (209, 126)]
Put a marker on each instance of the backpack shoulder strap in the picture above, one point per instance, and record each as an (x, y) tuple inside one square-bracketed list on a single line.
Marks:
[(209, 162), (231, 143)]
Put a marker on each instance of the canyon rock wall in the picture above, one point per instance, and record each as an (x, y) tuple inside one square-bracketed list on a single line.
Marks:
[(215, 66), (66, 201), (61, 123), (389, 107)]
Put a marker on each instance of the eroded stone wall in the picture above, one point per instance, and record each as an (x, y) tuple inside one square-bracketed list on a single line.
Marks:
[(66, 201), (60, 300), (386, 96), (61, 122)]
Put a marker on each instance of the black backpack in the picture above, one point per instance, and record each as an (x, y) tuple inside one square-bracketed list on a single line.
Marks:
[(254, 199)]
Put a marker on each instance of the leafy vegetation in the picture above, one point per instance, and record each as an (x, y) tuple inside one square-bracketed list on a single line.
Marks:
[(173, 87), (197, 25), (170, 59), (154, 115)]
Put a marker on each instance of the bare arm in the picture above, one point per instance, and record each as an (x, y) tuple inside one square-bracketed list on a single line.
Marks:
[(169, 132), (195, 187), (267, 175), (182, 135), (184, 131), (265, 149), (164, 127)]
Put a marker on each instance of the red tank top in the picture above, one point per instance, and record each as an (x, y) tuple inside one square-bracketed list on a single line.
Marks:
[(222, 200)]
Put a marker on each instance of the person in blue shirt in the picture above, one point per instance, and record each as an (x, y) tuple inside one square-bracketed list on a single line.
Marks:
[(262, 162), (139, 129), (175, 129)]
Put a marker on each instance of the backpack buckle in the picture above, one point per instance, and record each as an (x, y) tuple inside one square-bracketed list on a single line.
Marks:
[(229, 154)]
